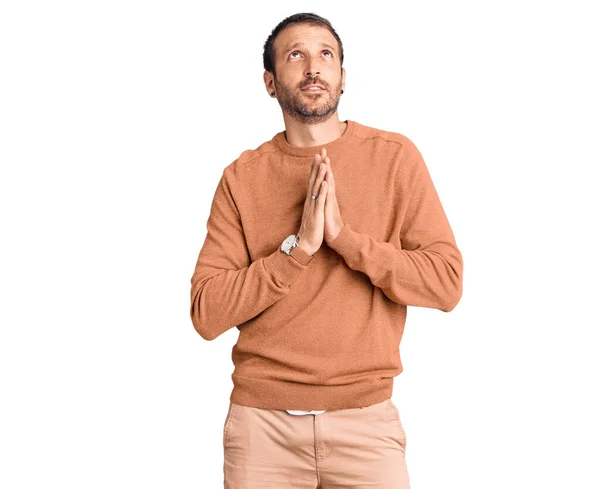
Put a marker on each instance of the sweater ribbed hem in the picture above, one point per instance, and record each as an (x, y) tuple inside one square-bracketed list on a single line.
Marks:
[(277, 394)]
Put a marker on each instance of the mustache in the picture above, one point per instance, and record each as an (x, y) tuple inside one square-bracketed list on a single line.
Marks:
[(314, 82)]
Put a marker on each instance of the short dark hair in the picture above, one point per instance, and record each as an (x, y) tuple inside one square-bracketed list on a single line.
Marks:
[(301, 18)]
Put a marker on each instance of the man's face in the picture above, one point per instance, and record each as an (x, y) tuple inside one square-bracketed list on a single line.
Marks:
[(301, 49)]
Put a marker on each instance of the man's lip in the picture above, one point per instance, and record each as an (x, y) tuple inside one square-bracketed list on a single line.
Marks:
[(309, 86)]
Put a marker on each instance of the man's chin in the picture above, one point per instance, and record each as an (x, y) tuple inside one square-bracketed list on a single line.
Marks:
[(315, 109), (313, 113)]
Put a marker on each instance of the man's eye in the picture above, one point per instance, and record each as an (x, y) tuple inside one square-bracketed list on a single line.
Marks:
[(325, 51)]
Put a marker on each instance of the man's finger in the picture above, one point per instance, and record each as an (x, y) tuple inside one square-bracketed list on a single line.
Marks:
[(330, 184), (313, 174)]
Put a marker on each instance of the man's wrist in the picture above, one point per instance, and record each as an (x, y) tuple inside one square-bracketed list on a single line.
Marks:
[(303, 247), (307, 251)]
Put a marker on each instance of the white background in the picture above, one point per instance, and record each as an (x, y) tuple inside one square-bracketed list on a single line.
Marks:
[(117, 119)]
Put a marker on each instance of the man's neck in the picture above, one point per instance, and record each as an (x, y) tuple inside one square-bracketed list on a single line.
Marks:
[(304, 135)]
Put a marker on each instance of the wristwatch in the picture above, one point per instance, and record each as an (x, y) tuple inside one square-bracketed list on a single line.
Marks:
[(290, 247)]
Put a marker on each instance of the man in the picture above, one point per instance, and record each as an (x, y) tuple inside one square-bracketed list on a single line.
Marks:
[(317, 242)]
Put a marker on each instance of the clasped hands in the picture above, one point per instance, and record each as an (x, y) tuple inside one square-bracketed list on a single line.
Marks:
[(321, 217), (333, 217)]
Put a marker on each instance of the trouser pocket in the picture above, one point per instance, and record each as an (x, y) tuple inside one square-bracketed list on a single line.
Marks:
[(402, 433), (227, 424)]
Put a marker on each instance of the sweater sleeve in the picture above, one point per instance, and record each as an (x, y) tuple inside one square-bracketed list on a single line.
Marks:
[(227, 289), (427, 270)]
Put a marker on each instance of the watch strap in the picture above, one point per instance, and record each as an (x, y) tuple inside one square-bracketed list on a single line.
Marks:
[(301, 256)]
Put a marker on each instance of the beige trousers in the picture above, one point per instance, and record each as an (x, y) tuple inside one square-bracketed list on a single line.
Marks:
[(356, 448)]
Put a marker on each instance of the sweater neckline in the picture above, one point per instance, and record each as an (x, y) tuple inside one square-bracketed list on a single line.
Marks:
[(311, 151)]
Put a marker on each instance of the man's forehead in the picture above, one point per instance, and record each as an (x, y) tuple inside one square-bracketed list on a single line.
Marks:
[(301, 43), (296, 36)]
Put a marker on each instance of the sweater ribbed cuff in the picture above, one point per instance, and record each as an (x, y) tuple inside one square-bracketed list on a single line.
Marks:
[(282, 267), (346, 243)]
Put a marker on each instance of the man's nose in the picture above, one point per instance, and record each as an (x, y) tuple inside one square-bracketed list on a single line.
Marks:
[(312, 68)]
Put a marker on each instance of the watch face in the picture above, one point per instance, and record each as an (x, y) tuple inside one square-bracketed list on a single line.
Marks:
[(288, 242)]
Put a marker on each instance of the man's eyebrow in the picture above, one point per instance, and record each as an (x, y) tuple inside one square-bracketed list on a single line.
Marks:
[(295, 45)]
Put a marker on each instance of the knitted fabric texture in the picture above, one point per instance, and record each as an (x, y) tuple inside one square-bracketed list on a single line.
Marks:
[(325, 335)]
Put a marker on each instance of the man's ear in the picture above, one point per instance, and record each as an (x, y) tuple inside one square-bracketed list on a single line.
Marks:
[(268, 79)]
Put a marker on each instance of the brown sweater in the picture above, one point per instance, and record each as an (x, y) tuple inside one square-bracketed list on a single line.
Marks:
[(324, 335)]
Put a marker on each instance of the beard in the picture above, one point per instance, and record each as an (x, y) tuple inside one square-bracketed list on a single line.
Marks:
[(306, 107)]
